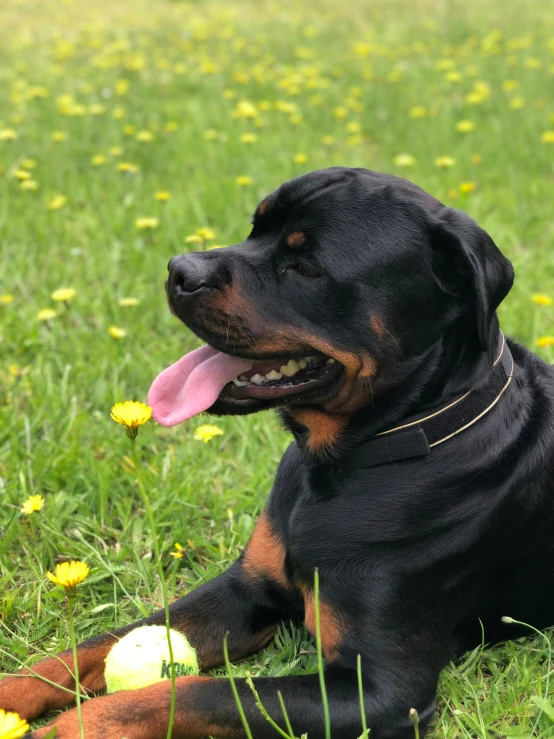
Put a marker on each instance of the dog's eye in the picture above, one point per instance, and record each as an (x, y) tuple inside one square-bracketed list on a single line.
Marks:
[(306, 270)]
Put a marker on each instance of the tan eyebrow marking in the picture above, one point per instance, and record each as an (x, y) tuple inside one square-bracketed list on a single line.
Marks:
[(296, 239), (377, 325), (263, 206)]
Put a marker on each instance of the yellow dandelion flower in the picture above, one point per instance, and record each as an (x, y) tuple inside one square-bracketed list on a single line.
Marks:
[(340, 112), (243, 180), (162, 195), (8, 134), (97, 109), (245, 109), (211, 134), (353, 127), (145, 136), (300, 158), (64, 294), (452, 193), (533, 63), (467, 187), (29, 163), (547, 137), (128, 168), (476, 158), (517, 103), (121, 87), (21, 174), (146, 222), (171, 127), (404, 160), (207, 432), (545, 341), (58, 136), (115, 151), (542, 299), (216, 246), (46, 314), (56, 202), (193, 239), (510, 85), (6, 299), (128, 302), (33, 504), (117, 333), (118, 113), (248, 138), (29, 185), (474, 98), (465, 126), (98, 160), (453, 76), (69, 574), (129, 130), (417, 111), (444, 161), (12, 726), (328, 140), (205, 232), (178, 553), (131, 414)]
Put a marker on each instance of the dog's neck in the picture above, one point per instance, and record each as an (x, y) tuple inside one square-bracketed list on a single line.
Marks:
[(448, 369)]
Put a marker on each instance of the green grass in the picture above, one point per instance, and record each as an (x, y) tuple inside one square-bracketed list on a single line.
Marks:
[(300, 66)]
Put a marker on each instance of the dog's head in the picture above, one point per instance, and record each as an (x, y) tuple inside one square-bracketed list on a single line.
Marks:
[(346, 275)]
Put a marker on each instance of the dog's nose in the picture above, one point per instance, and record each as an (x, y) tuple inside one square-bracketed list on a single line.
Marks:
[(191, 272)]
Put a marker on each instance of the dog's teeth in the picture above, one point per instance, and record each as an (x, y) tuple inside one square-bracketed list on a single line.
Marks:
[(291, 368), (273, 375), (330, 361), (257, 379), (240, 383), (303, 364), (243, 378)]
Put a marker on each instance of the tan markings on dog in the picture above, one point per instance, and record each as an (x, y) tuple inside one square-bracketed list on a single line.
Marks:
[(233, 304), (377, 326), (296, 239), (265, 554), (30, 696), (323, 429), (329, 624), (263, 206)]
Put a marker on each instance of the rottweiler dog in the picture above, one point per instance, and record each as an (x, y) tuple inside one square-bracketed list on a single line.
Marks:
[(420, 482)]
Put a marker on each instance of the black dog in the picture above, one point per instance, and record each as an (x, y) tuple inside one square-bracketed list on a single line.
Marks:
[(420, 483)]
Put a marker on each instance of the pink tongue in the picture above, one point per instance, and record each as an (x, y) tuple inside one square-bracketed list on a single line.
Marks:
[(192, 384)]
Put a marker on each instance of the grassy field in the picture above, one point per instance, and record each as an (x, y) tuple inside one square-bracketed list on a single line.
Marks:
[(131, 131)]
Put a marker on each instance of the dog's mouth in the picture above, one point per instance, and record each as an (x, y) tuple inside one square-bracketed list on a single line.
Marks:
[(209, 379), (281, 377)]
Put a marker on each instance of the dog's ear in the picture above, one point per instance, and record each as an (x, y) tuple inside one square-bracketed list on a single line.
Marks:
[(467, 263)]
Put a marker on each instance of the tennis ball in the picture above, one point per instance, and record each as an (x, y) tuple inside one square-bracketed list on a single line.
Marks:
[(141, 658)]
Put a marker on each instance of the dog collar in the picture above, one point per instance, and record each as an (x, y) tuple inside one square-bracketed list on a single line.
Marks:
[(416, 438)]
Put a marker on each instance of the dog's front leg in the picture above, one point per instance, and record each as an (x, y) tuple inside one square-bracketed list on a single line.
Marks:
[(235, 603), (206, 707)]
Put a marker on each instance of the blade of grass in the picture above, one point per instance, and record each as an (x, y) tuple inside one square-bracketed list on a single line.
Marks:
[(320, 668)]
